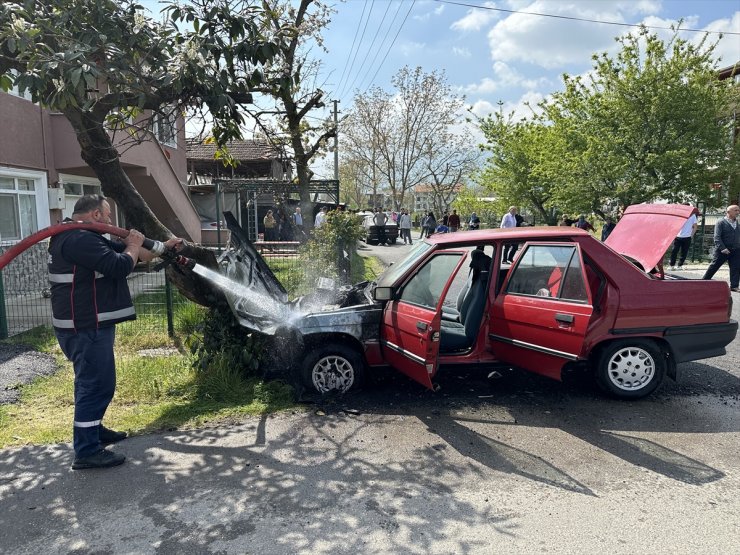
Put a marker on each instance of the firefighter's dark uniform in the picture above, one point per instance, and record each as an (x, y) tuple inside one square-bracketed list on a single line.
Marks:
[(89, 296)]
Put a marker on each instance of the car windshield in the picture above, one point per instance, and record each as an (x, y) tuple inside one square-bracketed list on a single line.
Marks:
[(391, 275)]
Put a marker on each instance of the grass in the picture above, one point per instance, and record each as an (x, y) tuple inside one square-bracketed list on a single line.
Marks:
[(153, 393)]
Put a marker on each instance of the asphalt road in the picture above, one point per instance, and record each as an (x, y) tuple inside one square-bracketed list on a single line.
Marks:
[(519, 464)]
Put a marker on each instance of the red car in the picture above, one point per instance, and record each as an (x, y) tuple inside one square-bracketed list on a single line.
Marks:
[(567, 299)]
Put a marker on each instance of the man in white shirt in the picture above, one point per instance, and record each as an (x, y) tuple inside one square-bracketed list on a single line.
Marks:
[(320, 217), (509, 220), (682, 242)]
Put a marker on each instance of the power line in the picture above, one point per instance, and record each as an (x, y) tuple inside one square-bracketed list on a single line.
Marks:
[(372, 5), (394, 42), (372, 43), (584, 19), (388, 30), (349, 54)]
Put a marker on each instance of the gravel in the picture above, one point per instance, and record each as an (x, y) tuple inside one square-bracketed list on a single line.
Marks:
[(20, 364)]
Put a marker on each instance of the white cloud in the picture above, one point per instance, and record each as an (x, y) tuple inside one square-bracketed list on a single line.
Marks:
[(525, 106), (728, 48), (555, 43), (461, 52), (504, 77), (483, 108), (409, 48), (475, 19), (437, 11)]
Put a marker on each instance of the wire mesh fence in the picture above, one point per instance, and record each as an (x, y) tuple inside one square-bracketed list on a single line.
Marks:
[(25, 297)]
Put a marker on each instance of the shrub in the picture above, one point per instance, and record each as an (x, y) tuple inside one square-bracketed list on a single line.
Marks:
[(324, 254), (224, 352)]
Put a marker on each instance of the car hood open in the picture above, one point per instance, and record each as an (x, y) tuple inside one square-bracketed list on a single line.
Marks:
[(647, 230), (260, 302)]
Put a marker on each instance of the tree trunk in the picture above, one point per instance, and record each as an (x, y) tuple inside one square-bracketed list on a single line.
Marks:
[(98, 152)]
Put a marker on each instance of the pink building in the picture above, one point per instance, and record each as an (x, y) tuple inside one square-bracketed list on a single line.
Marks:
[(42, 173)]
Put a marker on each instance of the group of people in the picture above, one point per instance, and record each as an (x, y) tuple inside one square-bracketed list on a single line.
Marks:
[(450, 223)]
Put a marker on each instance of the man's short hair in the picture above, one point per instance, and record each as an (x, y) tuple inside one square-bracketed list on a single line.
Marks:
[(88, 203)]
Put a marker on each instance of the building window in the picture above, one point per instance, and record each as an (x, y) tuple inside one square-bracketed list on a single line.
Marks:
[(74, 188), (164, 127), (18, 214)]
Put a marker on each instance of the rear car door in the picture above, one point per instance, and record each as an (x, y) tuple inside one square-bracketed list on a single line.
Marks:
[(541, 316), (410, 331)]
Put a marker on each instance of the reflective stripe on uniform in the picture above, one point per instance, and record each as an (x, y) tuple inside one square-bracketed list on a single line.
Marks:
[(105, 316), (69, 278), (89, 424), (61, 278), (64, 324)]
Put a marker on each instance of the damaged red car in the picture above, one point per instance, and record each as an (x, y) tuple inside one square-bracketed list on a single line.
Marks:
[(567, 300)]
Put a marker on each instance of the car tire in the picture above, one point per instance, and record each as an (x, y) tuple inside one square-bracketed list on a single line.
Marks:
[(630, 368), (333, 369), (393, 241)]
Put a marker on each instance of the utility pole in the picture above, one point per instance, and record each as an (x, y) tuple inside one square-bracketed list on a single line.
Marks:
[(336, 141)]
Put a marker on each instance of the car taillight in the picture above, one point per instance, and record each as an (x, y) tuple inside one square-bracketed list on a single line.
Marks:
[(729, 308)]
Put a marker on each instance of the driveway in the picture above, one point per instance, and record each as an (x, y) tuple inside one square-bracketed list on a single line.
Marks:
[(518, 464)]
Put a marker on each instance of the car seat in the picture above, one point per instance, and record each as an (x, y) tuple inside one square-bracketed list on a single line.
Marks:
[(457, 338)]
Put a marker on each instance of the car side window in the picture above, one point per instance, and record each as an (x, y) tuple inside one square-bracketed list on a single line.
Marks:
[(426, 286), (552, 271)]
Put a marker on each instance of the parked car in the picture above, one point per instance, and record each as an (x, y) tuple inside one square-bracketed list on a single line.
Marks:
[(372, 231), (568, 300)]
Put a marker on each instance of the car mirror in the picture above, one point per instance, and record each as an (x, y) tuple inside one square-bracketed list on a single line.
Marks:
[(383, 294)]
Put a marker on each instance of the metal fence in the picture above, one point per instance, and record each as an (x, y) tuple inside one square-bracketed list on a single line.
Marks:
[(25, 297)]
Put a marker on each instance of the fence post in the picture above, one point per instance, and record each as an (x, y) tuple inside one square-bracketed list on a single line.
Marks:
[(3, 314), (168, 298)]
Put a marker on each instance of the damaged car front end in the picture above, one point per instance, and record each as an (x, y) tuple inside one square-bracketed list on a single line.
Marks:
[(322, 335)]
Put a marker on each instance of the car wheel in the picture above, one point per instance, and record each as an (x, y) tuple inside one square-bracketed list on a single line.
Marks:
[(333, 368), (393, 241), (631, 368)]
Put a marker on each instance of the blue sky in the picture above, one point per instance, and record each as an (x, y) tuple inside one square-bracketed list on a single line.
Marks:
[(491, 56)]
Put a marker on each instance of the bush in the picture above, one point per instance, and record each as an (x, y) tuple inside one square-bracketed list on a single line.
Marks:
[(224, 353), (323, 255)]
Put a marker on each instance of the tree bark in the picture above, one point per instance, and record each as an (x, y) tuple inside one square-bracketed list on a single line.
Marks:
[(98, 152)]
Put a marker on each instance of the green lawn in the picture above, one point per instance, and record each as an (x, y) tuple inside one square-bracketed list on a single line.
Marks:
[(153, 393)]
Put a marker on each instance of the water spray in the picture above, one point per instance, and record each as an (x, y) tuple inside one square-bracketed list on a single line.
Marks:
[(156, 247)]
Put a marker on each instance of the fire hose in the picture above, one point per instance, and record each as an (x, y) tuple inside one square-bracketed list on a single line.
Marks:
[(156, 247)]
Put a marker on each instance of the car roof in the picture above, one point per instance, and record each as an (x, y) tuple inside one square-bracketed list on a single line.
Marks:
[(514, 233)]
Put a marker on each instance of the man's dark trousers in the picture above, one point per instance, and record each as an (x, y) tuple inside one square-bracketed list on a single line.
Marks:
[(680, 244), (719, 259), (91, 352)]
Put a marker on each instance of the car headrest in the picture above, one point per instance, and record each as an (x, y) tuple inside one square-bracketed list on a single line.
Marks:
[(479, 261)]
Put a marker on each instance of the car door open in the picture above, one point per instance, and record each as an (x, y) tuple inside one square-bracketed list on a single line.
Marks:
[(410, 331)]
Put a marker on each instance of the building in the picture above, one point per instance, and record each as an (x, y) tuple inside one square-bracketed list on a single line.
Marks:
[(435, 198), (42, 173), (256, 160)]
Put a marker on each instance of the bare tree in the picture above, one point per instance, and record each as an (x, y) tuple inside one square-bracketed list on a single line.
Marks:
[(397, 132)]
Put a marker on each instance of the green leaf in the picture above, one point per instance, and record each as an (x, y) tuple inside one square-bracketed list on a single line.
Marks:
[(74, 77)]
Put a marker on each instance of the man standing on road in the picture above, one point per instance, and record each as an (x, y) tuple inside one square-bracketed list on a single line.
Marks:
[(454, 221), (682, 242), (727, 247), (404, 225), (509, 220), (380, 220), (89, 296)]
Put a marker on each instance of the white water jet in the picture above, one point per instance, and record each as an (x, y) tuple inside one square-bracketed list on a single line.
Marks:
[(258, 302)]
